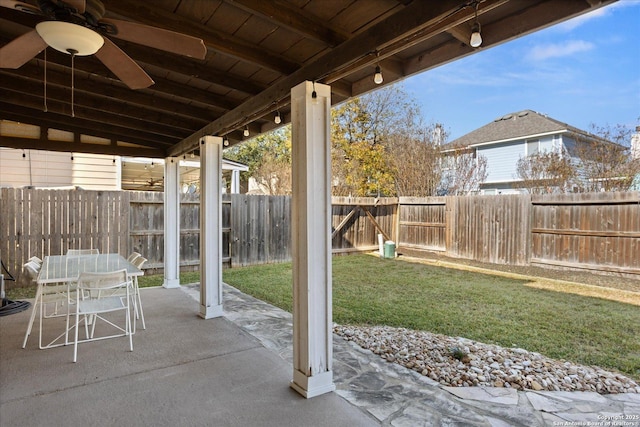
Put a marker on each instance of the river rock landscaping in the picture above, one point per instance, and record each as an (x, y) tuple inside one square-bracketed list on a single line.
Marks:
[(465, 363)]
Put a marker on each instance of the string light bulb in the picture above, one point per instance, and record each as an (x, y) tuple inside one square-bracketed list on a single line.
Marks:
[(314, 94), (246, 130), (225, 142), (377, 77), (277, 119), (192, 155), (476, 37)]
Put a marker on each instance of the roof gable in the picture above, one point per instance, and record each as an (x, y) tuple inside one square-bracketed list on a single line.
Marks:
[(517, 125)]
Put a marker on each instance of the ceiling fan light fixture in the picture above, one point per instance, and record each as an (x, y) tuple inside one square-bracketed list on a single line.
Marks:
[(67, 38)]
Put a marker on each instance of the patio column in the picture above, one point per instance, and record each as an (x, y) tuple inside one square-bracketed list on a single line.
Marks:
[(311, 240), (210, 227), (171, 223), (235, 181)]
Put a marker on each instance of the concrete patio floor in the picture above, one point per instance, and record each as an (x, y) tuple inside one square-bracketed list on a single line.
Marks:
[(184, 371), (235, 370)]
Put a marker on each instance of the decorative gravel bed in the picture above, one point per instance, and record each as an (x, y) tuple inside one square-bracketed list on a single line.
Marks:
[(464, 363)]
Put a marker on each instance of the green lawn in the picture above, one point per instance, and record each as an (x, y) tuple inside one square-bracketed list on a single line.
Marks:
[(491, 309)]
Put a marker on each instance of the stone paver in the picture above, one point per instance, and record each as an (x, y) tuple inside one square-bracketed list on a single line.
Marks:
[(400, 397)]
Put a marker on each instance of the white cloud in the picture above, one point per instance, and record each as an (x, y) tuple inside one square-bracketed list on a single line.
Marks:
[(559, 50)]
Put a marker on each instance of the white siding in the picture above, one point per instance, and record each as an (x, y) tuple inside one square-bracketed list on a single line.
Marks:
[(56, 169), (546, 144), (502, 159)]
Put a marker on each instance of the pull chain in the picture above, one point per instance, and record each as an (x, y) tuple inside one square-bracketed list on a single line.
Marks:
[(45, 81), (73, 87), (72, 52)]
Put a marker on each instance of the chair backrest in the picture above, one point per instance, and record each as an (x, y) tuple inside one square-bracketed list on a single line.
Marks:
[(74, 252), (36, 260), (138, 262), (133, 256), (99, 281), (32, 268)]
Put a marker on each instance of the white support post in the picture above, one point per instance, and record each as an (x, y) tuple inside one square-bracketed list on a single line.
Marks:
[(311, 240), (171, 223), (235, 181), (210, 227)]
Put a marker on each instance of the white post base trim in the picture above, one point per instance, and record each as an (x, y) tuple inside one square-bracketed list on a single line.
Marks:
[(171, 283), (313, 386), (211, 311)]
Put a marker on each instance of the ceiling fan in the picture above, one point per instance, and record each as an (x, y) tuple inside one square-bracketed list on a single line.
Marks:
[(78, 28)]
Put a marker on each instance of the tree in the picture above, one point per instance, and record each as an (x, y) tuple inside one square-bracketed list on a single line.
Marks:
[(269, 159), (382, 147), (358, 156), (606, 162), (415, 158), (546, 172), (464, 171)]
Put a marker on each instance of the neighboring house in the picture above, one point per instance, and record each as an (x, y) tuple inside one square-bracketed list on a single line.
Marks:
[(635, 154), (51, 169), (513, 136)]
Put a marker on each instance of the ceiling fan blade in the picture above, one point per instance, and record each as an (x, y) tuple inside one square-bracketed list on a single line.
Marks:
[(158, 38), (21, 6), (123, 66), (22, 49), (78, 5)]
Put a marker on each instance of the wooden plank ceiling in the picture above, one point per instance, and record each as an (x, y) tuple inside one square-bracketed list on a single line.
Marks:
[(256, 51)]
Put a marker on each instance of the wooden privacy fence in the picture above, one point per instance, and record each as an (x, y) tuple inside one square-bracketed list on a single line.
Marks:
[(596, 231), (43, 222), (599, 231)]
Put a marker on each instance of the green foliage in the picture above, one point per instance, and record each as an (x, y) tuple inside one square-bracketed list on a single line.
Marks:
[(265, 155)]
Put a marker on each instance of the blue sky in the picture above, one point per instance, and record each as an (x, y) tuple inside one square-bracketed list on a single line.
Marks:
[(583, 71)]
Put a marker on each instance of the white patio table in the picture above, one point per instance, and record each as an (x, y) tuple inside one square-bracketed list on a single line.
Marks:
[(67, 268)]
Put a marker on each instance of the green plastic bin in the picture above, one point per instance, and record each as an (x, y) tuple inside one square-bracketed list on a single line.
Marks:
[(389, 249)]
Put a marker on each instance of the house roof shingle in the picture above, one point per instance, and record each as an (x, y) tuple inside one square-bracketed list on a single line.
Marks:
[(520, 124)]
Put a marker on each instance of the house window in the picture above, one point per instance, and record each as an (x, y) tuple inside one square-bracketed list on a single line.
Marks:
[(533, 146)]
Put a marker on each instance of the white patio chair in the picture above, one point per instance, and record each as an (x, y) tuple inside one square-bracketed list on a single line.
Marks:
[(76, 252), (55, 294), (133, 256), (137, 301), (97, 295), (36, 260)]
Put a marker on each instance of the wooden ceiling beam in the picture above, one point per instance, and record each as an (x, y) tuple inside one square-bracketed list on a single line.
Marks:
[(142, 99), (189, 67), (214, 39), (78, 147), (295, 19), (36, 102), (62, 94), (418, 15), (171, 62), (539, 15), (79, 126)]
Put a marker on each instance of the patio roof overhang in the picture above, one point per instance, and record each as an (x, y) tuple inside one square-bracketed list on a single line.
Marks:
[(256, 52)]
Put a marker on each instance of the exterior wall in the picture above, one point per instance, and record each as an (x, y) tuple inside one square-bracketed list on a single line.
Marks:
[(502, 159), (56, 169)]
